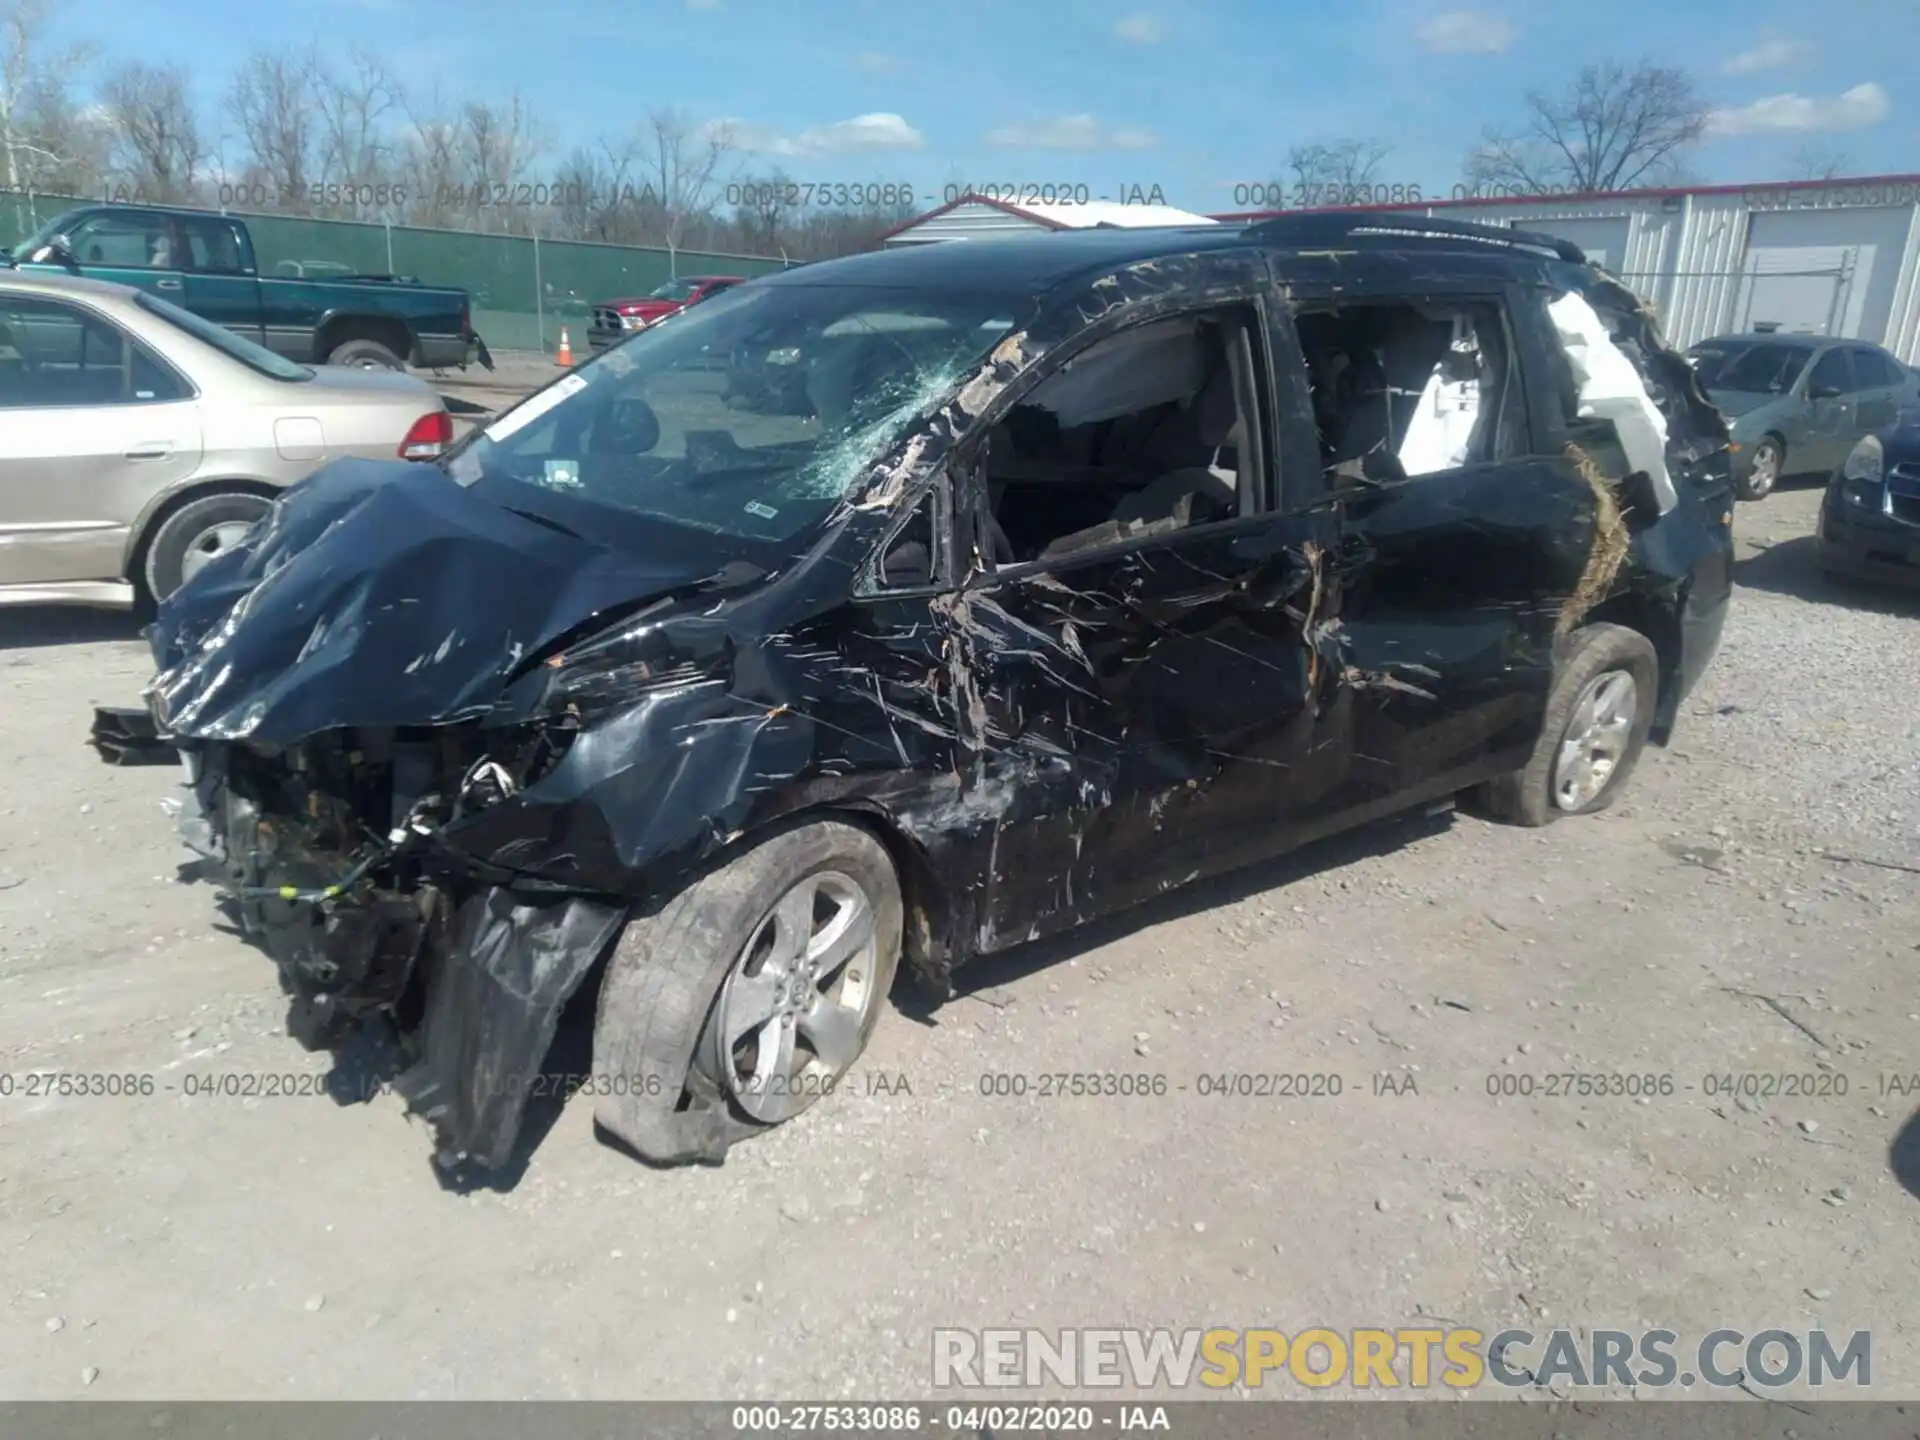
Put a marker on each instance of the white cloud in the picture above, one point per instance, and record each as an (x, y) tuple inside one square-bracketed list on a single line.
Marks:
[(1069, 132), (1853, 109), (1466, 32), (1140, 30), (1767, 55), (875, 62), (879, 131)]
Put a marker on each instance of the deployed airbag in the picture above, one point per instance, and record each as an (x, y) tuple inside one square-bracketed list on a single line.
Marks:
[(1611, 389)]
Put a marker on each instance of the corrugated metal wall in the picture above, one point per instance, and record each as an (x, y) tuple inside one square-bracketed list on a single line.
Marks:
[(1694, 256)]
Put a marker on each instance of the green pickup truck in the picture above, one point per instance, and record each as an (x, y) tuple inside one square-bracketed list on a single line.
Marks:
[(205, 263)]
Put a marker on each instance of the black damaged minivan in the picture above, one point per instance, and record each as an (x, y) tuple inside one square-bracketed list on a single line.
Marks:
[(1086, 565)]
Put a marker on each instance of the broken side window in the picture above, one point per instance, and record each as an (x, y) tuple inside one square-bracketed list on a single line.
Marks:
[(910, 559), (1151, 430), (1408, 388)]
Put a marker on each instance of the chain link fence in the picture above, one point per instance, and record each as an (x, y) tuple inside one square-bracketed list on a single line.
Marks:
[(524, 289)]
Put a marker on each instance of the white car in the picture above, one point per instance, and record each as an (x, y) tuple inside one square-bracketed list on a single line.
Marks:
[(138, 441)]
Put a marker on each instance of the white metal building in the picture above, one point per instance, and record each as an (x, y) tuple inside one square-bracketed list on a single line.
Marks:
[(975, 217), (1833, 257)]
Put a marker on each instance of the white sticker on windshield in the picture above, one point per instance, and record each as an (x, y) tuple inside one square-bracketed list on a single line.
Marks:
[(765, 512), (562, 474), (525, 414)]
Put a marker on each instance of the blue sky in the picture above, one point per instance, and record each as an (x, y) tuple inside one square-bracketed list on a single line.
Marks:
[(1192, 97)]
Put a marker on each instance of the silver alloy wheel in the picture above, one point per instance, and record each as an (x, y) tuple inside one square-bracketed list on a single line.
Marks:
[(1766, 469), (1595, 741), (211, 543), (797, 1001)]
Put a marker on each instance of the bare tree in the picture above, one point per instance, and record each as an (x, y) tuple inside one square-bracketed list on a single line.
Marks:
[(70, 142), (601, 194), (496, 147), (1815, 161), (33, 91), (1336, 172), (681, 163), (275, 100), (1613, 129), (766, 217), (357, 103), (428, 162), (157, 145)]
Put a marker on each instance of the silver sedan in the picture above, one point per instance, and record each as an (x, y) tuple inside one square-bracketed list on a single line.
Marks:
[(138, 441)]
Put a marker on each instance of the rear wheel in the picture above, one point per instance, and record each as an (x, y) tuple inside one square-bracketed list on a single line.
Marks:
[(1597, 720), (198, 532), (366, 355), (749, 995)]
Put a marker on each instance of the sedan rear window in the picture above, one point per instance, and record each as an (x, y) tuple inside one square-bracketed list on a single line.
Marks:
[(1759, 369), (255, 357)]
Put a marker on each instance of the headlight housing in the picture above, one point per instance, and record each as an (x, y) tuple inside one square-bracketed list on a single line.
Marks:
[(612, 671), (1867, 461)]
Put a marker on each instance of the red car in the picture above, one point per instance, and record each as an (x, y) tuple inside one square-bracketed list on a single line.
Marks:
[(614, 320)]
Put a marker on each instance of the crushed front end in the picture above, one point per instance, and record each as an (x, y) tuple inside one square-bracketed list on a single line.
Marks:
[(333, 856), (402, 803)]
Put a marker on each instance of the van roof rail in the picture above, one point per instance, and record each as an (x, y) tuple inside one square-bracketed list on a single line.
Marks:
[(1331, 226)]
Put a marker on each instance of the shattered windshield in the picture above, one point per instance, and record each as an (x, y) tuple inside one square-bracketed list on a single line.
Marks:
[(1759, 369), (752, 417)]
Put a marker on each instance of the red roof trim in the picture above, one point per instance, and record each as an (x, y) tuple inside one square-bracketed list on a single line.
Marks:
[(1581, 196), (971, 199)]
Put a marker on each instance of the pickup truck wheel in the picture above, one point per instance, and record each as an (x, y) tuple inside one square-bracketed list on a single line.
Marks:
[(366, 355), (748, 995), (1597, 720), (197, 532)]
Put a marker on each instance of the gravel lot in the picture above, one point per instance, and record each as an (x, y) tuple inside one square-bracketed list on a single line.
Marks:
[(227, 1248)]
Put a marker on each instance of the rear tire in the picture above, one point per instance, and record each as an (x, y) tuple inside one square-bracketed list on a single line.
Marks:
[(197, 532), (1546, 789), (670, 1080), (365, 355)]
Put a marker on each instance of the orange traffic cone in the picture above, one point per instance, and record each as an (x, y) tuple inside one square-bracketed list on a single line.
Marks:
[(565, 356)]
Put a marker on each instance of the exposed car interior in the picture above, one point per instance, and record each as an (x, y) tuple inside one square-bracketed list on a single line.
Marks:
[(1401, 390), (1144, 432)]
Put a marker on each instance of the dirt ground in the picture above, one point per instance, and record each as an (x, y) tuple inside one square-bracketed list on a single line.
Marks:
[(212, 1247)]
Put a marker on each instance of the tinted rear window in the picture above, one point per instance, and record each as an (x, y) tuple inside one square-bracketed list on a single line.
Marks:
[(1760, 368)]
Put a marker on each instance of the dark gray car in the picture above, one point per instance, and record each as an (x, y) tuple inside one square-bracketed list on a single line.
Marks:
[(1798, 403)]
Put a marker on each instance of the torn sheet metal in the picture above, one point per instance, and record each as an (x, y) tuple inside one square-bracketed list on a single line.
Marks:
[(1612, 389), (493, 1002)]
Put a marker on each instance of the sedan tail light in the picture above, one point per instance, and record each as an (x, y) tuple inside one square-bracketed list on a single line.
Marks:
[(429, 437)]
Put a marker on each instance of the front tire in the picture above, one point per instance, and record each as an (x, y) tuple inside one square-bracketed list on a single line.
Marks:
[(1769, 463), (749, 995), (199, 531), (1597, 720)]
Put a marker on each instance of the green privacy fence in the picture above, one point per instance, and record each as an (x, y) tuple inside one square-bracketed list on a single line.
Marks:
[(524, 289)]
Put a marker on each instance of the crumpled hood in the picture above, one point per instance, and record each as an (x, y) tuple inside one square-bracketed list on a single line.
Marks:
[(381, 593)]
